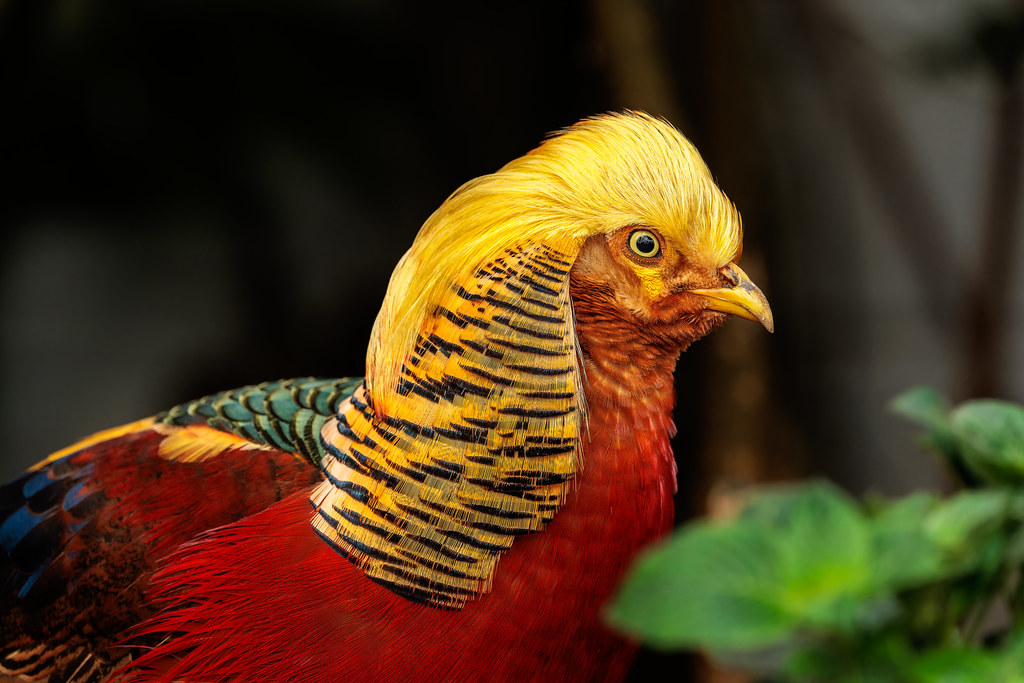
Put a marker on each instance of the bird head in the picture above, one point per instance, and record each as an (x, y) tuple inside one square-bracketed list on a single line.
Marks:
[(608, 244), (653, 244)]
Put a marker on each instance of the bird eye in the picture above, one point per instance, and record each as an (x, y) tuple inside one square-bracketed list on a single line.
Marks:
[(644, 243)]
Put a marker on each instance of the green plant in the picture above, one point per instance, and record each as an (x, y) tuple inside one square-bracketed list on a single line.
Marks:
[(808, 584)]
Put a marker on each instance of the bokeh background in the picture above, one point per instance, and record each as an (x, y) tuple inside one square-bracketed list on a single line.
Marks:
[(201, 194)]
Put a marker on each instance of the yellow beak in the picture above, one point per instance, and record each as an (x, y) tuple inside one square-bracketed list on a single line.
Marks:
[(741, 298)]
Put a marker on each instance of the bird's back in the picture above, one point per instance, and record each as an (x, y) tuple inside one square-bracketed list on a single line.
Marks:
[(82, 532)]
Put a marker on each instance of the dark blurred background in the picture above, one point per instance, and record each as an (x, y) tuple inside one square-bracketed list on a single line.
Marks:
[(205, 194)]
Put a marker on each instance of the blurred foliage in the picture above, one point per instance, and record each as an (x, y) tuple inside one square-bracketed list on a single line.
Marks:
[(809, 584)]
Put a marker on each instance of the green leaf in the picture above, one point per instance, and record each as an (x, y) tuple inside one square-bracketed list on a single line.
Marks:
[(824, 548), (710, 587), (953, 665), (958, 524), (922, 405), (796, 558), (971, 529), (991, 437), (928, 408), (905, 555), (957, 666), (1013, 553), (870, 658)]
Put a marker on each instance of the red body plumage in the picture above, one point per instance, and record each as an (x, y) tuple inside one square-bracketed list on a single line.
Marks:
[(264, 599)]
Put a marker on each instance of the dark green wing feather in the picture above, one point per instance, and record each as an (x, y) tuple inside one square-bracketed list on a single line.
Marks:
[(286, 414)]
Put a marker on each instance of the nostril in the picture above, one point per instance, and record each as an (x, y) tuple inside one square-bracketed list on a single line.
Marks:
[(731, 278)]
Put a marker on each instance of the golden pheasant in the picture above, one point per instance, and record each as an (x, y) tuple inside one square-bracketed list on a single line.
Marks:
[(460, 514)]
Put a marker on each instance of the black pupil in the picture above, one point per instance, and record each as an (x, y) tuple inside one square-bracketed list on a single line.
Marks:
[(645, 244)]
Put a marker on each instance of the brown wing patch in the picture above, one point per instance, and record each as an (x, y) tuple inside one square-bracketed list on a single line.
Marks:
[(82, 534)]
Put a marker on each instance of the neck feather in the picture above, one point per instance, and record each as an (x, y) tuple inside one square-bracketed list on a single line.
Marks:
[(482, 440), (560, 580), (478, 442)]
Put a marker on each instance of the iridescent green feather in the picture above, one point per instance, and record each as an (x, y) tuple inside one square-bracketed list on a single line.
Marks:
[(286, 414)]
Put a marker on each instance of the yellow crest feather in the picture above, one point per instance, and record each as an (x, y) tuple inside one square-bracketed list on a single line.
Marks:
[(601, 174)]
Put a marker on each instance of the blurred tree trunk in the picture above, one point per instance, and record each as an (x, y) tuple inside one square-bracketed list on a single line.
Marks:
[(890, 166), (1001, 44), (980, 295), (630, 49)]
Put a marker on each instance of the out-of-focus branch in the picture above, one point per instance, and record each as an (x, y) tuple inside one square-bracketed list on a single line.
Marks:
[(636, 69), (919, 226), (990, 298), (996, 43)]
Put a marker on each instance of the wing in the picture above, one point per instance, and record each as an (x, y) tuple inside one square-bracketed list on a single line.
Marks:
[(82, 532)]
